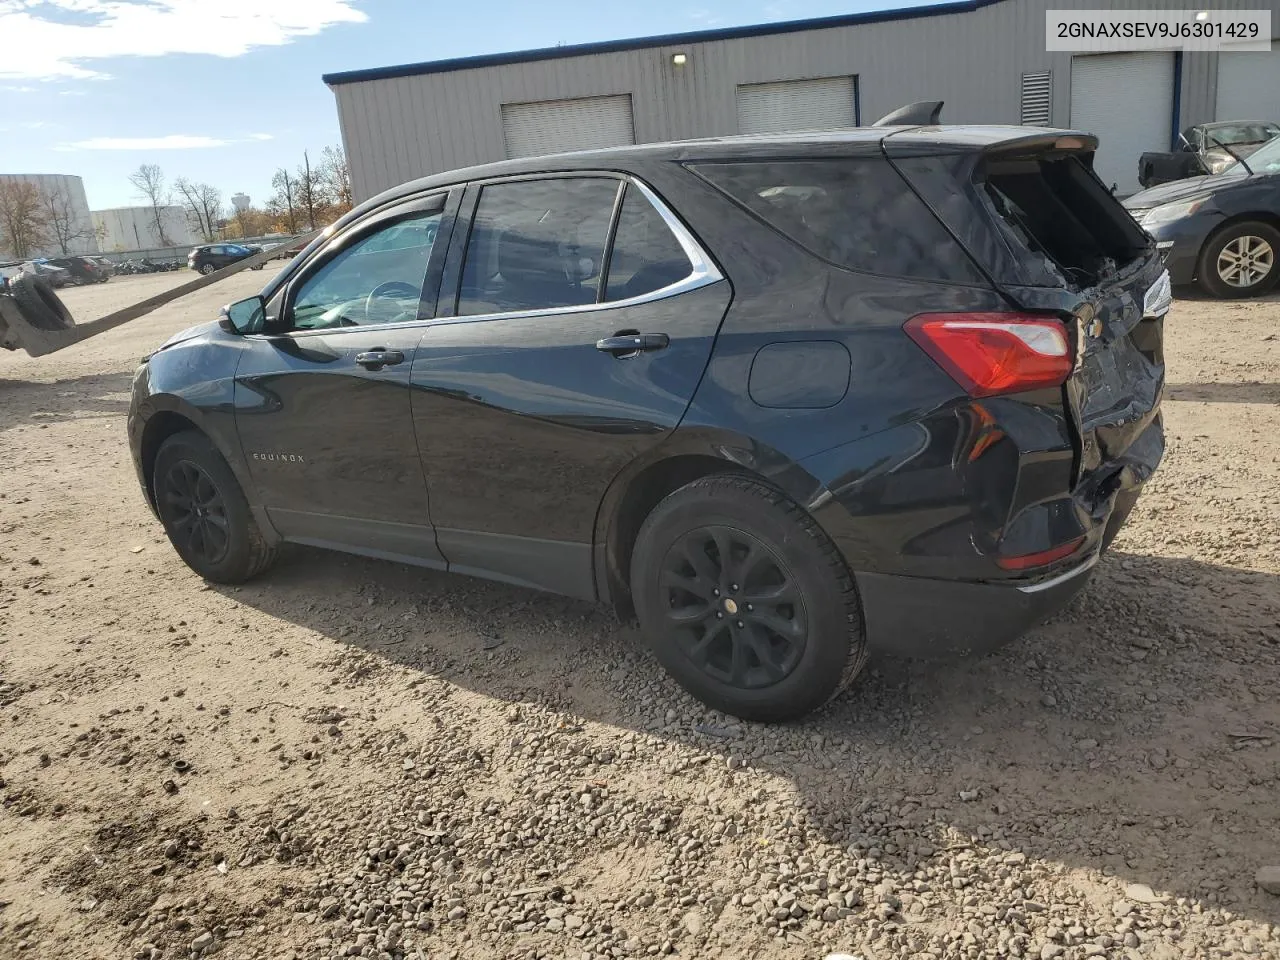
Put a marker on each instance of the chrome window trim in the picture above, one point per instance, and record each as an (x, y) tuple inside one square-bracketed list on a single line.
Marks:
[(703, 272)]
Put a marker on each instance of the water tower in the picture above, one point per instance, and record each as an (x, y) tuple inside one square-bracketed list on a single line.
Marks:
[(240, 201)]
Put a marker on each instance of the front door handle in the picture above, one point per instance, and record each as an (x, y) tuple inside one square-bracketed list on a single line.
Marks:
[(378, 358), (629, 344)]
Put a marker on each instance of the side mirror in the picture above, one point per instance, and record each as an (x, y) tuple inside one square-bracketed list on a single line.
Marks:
[(244, 316)]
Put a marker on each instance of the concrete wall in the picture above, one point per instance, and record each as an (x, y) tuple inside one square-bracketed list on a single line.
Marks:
[(404, 127), (68, 192), (134, 228)]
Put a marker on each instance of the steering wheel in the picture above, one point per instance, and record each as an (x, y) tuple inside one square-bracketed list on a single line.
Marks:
[(390, 288)]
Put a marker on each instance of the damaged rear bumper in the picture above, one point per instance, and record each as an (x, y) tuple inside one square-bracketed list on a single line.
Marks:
[(923, 618)]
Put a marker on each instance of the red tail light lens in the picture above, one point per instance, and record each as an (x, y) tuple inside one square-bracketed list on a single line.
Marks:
[(994, 353), (1041, 559)]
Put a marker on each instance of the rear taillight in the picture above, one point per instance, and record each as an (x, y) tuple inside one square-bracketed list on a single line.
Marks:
[(995, 353), (1045, 557)]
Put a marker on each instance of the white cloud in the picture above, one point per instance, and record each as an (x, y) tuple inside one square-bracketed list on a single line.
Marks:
[(174, 141), (55, 39), (261, 136)]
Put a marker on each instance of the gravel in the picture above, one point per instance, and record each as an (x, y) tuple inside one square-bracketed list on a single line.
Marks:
[(400, 791)]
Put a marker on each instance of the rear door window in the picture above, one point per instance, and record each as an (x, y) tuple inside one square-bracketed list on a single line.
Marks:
[(537, 245), (856, 213), (646, 255)]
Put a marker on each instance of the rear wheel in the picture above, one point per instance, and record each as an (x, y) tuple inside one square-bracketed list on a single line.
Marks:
[(207, 269), (1241, 261), (745, 600), (205, 513)]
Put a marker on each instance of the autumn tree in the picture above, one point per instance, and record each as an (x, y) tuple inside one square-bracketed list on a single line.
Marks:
[(24, 224), (309, 191), (204, 206), (335, 175), (283, 204), (63, 222), (248, 222), (149, 181)]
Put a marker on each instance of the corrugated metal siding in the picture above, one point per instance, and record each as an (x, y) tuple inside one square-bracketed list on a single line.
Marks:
[(398, 129), (71, 190)]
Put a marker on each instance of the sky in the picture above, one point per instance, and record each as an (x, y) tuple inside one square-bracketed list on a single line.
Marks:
[(227, 91)]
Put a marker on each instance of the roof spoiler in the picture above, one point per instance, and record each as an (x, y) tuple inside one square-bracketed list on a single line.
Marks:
[(920, 113)]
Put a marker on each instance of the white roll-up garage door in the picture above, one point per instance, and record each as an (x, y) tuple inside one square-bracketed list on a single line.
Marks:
[(1126, 100), (798, 105), (1248, 85), (556, 126)]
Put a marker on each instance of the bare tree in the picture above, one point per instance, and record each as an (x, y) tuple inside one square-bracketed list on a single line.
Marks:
[(336, 177), (149, 181), (204, 206), (24, 222), (284, 203), (309, 191), (65, 225)]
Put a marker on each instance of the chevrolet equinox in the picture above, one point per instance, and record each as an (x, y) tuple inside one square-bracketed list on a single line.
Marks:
[(784, 400)]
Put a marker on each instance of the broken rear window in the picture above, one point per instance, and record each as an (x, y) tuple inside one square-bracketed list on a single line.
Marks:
[(1052, 206), (855, 213)]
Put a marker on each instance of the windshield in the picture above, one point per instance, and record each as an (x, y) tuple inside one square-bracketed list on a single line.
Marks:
[(1234, 133), (1266, 159)]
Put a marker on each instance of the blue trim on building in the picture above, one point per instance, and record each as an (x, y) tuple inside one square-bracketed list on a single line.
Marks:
[(666, 40)]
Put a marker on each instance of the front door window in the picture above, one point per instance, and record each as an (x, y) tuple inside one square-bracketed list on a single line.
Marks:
[(376, 280)]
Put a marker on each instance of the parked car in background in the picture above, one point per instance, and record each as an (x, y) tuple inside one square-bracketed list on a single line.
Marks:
[(784, 399), (1221, 230), (1207, 148), (209, 257), (82, 269), (46, 271), (107, 267)]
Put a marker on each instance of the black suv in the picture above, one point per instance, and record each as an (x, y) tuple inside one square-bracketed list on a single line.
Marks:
[(214, 256), (783, 399)]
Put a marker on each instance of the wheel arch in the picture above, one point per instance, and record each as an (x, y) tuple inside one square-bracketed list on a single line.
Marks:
[(166, 414), (686, 457), (1270, 218)]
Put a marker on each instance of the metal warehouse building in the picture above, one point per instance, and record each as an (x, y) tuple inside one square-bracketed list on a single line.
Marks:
[(985, 58)]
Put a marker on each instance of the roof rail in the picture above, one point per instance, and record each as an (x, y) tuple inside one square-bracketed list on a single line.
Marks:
[(922, 112)]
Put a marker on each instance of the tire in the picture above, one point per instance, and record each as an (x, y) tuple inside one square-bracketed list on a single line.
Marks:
[(39, 305), (224, 543), (815, 643), (207, 269), (1256, 241)]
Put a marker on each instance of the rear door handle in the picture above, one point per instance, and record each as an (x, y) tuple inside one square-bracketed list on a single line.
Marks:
[(627, 344), (379, 358)]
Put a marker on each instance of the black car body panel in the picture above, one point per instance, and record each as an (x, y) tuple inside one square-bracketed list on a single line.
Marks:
[(509, 445)]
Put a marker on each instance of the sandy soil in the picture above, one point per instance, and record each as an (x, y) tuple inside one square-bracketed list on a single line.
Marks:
[(353, 758)]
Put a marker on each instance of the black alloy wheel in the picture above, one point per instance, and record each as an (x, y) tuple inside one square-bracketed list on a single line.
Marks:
[(734, 607), (194, 511), (204, 511), (745, 600)]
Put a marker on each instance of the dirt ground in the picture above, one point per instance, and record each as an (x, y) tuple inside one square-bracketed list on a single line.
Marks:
[(354, 758)]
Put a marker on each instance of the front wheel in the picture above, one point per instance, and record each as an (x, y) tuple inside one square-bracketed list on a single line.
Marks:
[(1241, 261), (745, 600), (205, 513)]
